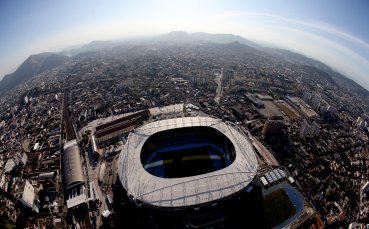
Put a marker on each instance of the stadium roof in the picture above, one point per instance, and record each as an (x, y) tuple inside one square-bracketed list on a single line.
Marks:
[(186, 191), (176, 108), (72, 164)]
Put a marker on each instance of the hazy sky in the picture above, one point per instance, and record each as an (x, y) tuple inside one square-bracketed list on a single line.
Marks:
[(334, 32)]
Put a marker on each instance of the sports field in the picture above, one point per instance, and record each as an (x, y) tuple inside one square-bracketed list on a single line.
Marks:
[(290, 113), (186, 152), (278, 207)]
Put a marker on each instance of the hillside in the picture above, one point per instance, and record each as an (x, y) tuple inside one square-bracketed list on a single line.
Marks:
[(337, 77), (32, 66)]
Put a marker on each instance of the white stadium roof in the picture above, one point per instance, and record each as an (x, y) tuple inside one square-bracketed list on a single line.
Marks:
[(185, 191)]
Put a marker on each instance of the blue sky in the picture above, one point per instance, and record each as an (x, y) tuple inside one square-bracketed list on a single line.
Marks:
[(334, 32)]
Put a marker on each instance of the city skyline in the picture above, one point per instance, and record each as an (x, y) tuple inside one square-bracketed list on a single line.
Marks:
[(332, 31)]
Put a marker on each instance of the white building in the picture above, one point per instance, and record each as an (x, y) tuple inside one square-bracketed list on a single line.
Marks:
[(273, 125), (355, 225), (361, 122), (365, 187), (26, 196), (309, 130), (304, 129), (314, 129)]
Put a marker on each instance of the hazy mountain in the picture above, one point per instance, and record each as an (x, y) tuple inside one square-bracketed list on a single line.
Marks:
[(238, 47), (176, 36), (297, 58), (180, 36), (93, 46), (32, 66), (97, 45), (223, 38), (300, 59)]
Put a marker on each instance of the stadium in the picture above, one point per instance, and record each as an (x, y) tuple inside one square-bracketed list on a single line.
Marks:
[(192, 168)]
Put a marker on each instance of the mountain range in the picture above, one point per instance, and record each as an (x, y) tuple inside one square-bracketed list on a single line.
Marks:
[(36, 64)]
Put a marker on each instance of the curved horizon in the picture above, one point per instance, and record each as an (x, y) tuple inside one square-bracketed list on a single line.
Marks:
[(333, 32)]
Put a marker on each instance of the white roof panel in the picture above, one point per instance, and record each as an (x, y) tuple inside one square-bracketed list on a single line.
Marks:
[(76, 200), (264, 181)]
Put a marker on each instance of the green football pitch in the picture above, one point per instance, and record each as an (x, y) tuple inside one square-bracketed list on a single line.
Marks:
[(278, 207)]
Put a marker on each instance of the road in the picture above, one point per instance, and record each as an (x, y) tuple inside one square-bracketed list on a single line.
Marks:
[(93, 166), (67, 122), (264, 152), (218, 80)]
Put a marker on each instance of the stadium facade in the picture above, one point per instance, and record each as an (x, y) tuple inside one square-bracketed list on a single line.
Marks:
[(185, 165)]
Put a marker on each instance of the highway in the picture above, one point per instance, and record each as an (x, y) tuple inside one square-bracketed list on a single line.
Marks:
[(218, 80), (67, 122)]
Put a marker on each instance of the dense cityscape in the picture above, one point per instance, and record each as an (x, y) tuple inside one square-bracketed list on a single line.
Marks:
[(310, 123)]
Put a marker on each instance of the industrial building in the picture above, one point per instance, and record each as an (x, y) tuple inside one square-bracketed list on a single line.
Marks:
[(309, 130), (25, 193), (117, 127), (73, 175)]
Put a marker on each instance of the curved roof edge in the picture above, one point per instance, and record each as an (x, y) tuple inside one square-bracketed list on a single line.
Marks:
[(186, 191)]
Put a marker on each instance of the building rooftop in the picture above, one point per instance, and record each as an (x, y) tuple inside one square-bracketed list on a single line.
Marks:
[(72, 164), (28, 194)]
